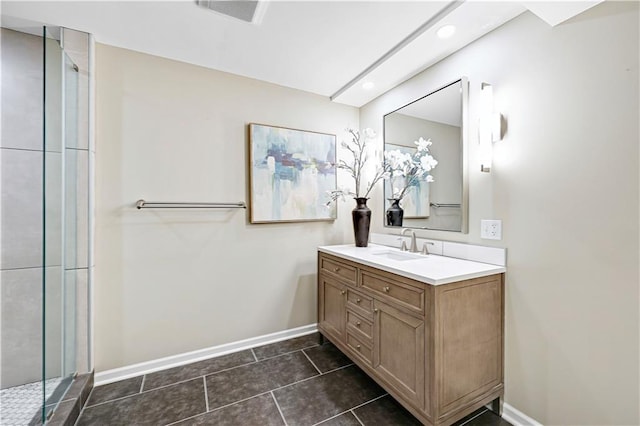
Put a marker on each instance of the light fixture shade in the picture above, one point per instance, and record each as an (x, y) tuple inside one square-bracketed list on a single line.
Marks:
[(496, 127), (485, 127)]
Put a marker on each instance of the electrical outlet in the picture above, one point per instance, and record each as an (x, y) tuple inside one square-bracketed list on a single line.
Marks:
[(491, 229)]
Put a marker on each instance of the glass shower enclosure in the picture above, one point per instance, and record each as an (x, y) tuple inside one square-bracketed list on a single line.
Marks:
[(66, 211), (46, 220)]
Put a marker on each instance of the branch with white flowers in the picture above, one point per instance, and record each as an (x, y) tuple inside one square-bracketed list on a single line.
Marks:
[(412, 167), (356, 168)]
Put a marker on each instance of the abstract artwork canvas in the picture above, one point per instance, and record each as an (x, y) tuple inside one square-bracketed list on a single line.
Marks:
[(291, 174)]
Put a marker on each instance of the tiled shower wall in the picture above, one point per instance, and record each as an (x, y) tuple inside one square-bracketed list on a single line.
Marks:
[(21, 223), (21, 219)]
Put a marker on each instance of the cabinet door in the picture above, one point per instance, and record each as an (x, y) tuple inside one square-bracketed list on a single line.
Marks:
[(468, 341), (399, 353), (332, 307)]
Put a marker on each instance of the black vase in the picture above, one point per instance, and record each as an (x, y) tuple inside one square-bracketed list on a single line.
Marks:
[(394, 213), (361, 220)]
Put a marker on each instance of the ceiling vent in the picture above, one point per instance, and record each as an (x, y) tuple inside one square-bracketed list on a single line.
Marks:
[(244, 10)]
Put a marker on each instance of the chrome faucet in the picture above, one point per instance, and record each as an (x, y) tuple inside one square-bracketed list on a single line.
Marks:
[(414, 245)]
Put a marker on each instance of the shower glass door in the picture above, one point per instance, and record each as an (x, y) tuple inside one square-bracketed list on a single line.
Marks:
[(59, 200)]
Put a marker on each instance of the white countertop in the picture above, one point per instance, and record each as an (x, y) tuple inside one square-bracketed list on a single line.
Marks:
[(430, 269)]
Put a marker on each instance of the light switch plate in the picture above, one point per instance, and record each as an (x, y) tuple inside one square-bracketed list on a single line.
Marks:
[(491, 229)]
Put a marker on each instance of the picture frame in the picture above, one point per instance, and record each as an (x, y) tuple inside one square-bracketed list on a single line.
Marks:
[(291, 174)]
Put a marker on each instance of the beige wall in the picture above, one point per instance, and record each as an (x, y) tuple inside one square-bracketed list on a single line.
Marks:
[(565, 184), (168, 282)]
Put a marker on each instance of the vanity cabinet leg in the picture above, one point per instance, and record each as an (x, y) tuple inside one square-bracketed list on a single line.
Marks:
[(496, 406)]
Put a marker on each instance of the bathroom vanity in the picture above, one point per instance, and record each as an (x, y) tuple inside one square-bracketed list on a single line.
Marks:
[(429, 329)]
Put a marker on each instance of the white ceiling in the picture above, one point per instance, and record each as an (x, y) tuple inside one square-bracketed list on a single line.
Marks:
[(315, 46), (443, 106)]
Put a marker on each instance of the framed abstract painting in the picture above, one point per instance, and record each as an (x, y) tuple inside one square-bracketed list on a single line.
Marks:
[(291, 173)]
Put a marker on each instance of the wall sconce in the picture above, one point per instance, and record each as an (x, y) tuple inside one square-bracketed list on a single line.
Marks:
[(489, 127)]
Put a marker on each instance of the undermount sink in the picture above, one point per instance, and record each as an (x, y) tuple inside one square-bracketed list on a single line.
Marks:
[(398, 255)]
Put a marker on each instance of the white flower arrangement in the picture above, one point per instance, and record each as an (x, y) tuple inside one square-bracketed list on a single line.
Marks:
[(411, 167), (356, 168)]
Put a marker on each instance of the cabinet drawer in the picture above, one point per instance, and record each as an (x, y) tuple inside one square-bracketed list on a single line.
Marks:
[(403, 294), (359, 347), (345, 272), (359, 324), (360, 303)]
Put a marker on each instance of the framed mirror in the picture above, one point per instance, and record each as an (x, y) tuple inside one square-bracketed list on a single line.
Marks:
[(420, 194)]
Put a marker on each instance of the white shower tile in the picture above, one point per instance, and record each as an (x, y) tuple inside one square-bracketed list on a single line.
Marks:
[(22, 85), (82, 320), (53, 208), (53, 321), (21, 209), (77, 208), (21, 291)]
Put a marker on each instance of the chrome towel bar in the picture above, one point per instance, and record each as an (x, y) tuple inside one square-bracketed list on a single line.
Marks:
[(140, 204), (436, 205)]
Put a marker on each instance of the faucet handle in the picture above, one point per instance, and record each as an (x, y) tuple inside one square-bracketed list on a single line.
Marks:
[(404, 246), (425, 250)]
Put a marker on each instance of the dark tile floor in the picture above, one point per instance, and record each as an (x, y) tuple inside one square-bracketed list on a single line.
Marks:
[(294, 382)]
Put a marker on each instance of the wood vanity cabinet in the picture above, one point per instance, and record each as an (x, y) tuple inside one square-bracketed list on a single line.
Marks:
[(437, 349)]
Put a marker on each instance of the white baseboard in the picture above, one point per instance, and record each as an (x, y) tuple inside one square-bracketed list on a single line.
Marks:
[(109, 376), (517, 417)]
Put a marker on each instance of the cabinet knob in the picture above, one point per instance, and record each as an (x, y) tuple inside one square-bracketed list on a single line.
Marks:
[(358, 323), (336, 269), (375, 310), (387, 288), (358, 300), (358, 347), (343, 292)]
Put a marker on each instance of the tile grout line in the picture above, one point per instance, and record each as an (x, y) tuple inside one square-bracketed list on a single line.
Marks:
[(477, 415), (220, 407), (357, 418), (338, 368), (290, 352), (312, 363), (278, 407), (352, 408), (116, 399), (369, 401), (254, 355), (188, 418), (23, 268), (30, 150), (206, 394), (309, 378), (238, 401)]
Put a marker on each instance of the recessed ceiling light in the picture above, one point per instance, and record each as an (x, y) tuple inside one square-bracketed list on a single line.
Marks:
[(446, 31), (368, 85)]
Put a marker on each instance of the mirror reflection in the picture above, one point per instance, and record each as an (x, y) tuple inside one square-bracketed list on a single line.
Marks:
[(424, 143)]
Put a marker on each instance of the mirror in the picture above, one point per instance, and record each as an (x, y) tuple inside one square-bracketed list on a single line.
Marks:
[(434, 198)]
